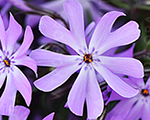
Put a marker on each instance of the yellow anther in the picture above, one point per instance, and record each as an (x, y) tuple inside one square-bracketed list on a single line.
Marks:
[(145, 91), (87, 58)]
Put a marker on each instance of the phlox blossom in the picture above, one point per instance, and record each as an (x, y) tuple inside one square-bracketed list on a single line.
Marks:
[(132, 108), (9, 60), (88, 60)]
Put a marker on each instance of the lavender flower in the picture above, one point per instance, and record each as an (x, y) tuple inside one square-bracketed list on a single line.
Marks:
[(89, 59), (132, 108), (16, 80)]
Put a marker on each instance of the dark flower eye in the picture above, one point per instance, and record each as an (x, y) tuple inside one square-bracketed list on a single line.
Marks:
[(7, 62), (87, 58), (145, 92)]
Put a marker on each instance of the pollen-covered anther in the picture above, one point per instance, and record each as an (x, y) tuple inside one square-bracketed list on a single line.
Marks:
[(145, 92), (7, 62), (87, 58)]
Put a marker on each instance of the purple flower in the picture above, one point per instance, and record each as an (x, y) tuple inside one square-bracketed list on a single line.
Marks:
[(89, 59), (9, 60), (49, 117), (19, 113), (132, 108)]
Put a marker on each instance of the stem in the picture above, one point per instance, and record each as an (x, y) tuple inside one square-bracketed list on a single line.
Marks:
[(141, 53)]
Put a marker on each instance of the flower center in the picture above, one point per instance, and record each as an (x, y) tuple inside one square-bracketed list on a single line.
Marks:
[(145, 92), (7, 62), (87, 58)]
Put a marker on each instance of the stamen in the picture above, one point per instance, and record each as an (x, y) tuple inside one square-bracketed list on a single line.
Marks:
[(145, 92), (7, 62), (87, 58)]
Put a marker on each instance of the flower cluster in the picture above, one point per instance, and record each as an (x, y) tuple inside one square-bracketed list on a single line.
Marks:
[(87, 61)]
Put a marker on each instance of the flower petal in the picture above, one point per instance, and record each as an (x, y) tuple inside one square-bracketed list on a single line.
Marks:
[(51, 29), (123, 65), (4, 11), (122, 108), (2, 78), (116, 117), (7, 99), (146, 111), (48, 58), (20, 113), (75, 16), (114, 96), (126, 34), (32, 20), (148, 83), (77, 94), (115, 82), (28, 38), (2, 33), (135, 112), (13, 33), (103, 28), (56, 78), (94, 99), (27, 61), (22, 84), (127, 53), (49, 117)]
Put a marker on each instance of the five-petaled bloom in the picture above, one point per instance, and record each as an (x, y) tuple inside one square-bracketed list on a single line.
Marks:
[(9, 59), (132, 108), (88, 59)]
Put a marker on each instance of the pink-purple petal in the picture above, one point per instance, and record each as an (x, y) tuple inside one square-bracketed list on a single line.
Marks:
[(116, 117), (4, 11), (77, 94), (2, 34), (127, 53), (75, 15), (20, 113), (2, 78), (48, 58), (126, 34), (148, 83), (146, 111), (123, 65), (7, 100), (32, 20), (49, 117), (103, 28), (94, 99), (114, 96), (115, 82), (56, 78), (28, 38), (136, 111), (51, 29), (27, 61), (22, 84), (122, 108), (13, 33)]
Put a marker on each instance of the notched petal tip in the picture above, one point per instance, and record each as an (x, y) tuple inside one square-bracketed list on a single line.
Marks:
[(135, 26)]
